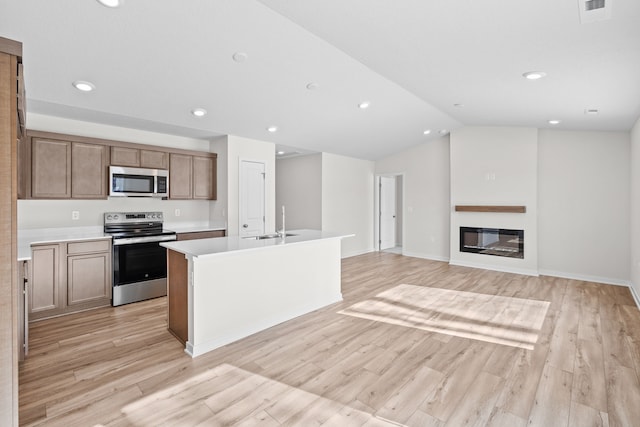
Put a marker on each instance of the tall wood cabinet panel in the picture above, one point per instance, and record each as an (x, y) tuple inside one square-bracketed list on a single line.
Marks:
[(88, 171), (45, 298), (180, 176), (51, 169), (204, 172)]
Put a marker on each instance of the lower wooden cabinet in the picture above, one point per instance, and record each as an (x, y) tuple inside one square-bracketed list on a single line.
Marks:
[(200, 235), (69, 276)]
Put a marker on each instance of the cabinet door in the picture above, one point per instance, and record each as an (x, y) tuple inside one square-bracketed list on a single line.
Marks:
[(50, 169), (154, 159), (180, 176), (88, 171), (204, 178), (123, 156), (88, 278), (44, 291)]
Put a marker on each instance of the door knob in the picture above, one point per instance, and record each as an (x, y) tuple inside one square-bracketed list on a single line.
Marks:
[(245, 225)]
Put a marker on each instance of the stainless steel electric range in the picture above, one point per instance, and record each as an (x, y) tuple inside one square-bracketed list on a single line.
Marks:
[(139, 262)]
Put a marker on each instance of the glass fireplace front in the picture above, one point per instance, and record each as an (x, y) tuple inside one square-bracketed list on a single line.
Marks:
[(492, 241)]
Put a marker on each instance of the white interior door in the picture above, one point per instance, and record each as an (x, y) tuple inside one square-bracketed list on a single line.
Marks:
[(387, 212), (252, 198)]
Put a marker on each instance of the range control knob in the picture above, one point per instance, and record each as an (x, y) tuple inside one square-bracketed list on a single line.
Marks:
[(116, 217), (109, 216), (153, 215), (159, 215)]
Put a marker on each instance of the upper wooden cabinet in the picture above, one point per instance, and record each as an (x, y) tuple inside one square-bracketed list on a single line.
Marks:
[(55, 166), (88, 171), (204, 178), (124, 156), (180, 176), (192, 177), (50, 169), (154, 159)]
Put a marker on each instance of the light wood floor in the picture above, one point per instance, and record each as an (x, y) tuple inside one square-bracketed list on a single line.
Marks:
[(120, 367)]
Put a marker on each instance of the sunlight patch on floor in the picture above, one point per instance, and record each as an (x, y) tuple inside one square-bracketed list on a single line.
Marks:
[(492, 318), (227, 395)]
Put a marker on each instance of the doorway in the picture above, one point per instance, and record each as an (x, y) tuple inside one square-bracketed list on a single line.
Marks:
[(389, 213), (252, 198)]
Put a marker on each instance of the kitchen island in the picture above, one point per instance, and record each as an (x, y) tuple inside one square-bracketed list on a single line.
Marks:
[(223, 289)]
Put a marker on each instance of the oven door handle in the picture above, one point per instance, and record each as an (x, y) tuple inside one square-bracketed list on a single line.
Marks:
[(145, 239)]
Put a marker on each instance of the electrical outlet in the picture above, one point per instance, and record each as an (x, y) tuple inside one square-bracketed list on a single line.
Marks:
[(177, 212), (75, 215)]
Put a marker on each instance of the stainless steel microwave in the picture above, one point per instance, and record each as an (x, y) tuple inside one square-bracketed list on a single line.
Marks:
[(138, 182)]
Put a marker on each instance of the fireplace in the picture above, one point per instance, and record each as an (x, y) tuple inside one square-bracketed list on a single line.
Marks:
[(492, 241)]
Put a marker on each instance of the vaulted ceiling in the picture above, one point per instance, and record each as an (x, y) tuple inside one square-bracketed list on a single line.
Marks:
[(306, 66)]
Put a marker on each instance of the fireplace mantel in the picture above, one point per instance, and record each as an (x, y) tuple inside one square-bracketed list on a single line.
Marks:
[(491, 208)]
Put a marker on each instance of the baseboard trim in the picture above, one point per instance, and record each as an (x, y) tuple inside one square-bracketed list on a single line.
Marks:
[(635, 296), (584, 277), (425, 256), (522, 271)]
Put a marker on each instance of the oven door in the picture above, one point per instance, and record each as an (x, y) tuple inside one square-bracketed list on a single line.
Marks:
[(138, 262)]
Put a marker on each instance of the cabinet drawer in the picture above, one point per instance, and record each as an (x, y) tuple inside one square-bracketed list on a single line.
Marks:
[(91, 246)]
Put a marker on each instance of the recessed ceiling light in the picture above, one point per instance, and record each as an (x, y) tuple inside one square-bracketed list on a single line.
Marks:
[(364, 105), (312, 86), (534, 75), (443, 132), (458, 105), (110, 3), (554, 122), (84, 86), (240, 56), (199, 112), (272, 129), (427, 132), (280, 153), (591, 112)]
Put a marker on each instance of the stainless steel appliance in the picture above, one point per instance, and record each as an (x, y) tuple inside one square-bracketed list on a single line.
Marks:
[(139, 262), (138, 182)]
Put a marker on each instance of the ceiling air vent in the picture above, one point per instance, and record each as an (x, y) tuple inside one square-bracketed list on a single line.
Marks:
[(594, 10)]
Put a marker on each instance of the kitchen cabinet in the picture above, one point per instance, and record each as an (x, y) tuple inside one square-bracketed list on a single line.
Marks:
[(68, 277), (88, 273), (154, 159), (88, 171), (125, 156), (200, 235), (51, 169), (45, 298), (192, 177), (180, 176), (56, 166), (204, 173)]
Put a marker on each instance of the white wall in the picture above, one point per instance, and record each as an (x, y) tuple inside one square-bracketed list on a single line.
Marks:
[(347, 201), (57, 213), (584, 196), (495, 166), (425, 208), (239, 148), (299, 189), (635, 210), (218, 209)]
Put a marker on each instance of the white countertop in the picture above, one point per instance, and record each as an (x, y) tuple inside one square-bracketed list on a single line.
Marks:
[(29, 237), (220, 245)]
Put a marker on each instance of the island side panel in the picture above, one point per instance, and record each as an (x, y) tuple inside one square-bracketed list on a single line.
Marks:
[(240, 293), (177, 295)]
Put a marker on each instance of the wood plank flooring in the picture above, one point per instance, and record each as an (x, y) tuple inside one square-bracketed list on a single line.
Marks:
[(120, 367)]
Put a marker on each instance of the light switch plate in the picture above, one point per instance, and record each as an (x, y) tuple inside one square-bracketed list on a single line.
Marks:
[(75, 215)]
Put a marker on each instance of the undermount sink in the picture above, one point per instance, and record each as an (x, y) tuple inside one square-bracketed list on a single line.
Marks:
[(269, 236)]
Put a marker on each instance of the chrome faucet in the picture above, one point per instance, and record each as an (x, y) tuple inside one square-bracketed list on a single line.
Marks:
[(282, 233)]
